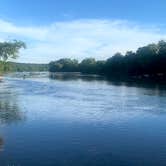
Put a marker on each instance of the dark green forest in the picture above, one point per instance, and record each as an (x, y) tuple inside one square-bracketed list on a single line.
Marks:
[(148, 62)]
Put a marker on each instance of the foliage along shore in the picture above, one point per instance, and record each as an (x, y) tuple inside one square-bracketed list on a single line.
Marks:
[(148, 62), (10, 50), (21, 67)]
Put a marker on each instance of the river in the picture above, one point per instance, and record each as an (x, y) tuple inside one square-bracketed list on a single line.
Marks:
[(78, 122)]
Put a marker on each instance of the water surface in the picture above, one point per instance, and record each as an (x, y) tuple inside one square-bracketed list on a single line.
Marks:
[(78, 122)]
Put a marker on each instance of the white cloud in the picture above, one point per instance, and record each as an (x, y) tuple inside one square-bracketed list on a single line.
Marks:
[(79, 38)]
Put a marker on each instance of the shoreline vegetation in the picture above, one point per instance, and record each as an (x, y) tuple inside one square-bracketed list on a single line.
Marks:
[(10, 50), (22, 67), (146, 63)]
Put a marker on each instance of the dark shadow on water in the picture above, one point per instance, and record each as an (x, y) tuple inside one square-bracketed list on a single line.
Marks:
[(150, 87), (75, 76), (144, 83), (1, 144)]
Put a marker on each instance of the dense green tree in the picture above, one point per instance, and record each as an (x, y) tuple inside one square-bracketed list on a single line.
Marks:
[(161, 59), (148, 61), (115, 65), (64, 65), (88, 65), (10, 49)]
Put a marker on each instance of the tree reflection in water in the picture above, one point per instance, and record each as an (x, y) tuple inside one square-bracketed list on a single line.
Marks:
[(9, 108), (9, 112), (1, 144)]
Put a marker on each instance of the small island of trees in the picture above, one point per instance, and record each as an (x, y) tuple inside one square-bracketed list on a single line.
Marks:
[(147, 62)]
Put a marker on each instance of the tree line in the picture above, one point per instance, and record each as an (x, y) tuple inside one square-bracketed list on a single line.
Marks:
[(147, 61), (22, 67)]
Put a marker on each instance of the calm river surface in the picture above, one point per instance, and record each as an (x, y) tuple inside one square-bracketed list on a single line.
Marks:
[(79, 122)]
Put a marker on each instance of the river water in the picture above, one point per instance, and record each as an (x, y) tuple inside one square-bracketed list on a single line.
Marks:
[(78, 122)]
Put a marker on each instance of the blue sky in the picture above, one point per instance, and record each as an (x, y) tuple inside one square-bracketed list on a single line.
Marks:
[(78, 29)]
